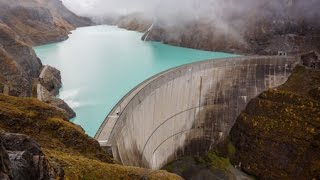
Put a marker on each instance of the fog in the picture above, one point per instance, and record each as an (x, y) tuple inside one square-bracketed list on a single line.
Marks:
[(95, 8), (185, 10)]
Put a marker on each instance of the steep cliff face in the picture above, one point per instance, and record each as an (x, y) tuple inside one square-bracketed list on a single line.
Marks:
[(264, 27), (23, 158), (136, 22), (22, 25), (39, 21), (19, 64), (201, 35), (277, 136)]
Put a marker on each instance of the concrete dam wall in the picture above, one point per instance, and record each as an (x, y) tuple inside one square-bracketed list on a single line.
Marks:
[(188, 109)]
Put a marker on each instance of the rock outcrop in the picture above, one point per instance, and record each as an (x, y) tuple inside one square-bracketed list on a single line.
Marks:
[(45, 96), (311, 59), (50, 78), (136, 22), (206, 36), (5, 165), (48, 88), (26, 159), (22, 25), (39, 21), (264, 27), (277, 136), (19, 65)]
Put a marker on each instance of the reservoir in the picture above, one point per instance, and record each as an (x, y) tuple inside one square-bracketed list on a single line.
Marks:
[(101, 64)]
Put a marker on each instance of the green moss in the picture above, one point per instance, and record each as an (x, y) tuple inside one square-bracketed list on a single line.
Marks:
[(231, 149), (217, 162), (213, 160)]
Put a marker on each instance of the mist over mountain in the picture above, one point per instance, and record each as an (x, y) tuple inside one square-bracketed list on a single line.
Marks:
[(178, 11), (246, 26)]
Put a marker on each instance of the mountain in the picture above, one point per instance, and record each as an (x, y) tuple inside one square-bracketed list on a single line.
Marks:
[(251, 27), (39, 21)]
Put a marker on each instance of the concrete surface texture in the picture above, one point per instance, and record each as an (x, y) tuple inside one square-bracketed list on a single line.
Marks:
[(189, 109)]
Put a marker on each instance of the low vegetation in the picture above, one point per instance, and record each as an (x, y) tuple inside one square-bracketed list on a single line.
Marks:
[(65, 145), (278, 135)]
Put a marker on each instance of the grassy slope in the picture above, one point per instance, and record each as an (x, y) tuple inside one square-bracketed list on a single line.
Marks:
[(80, 156), (278, 135)]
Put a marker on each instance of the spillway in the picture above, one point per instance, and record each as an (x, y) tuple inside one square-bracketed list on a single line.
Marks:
[(188, 109)]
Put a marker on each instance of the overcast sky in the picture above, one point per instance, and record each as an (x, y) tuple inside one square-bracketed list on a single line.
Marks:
[(100, 7), (190, 10)]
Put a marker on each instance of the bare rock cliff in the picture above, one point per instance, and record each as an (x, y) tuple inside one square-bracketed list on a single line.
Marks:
[(24, 24)]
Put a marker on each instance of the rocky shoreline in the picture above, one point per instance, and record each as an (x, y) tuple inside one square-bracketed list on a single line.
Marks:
[(23, 25), (254, 31), (48, 88)]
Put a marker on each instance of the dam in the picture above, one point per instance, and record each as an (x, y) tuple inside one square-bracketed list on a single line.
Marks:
[(188, 109)]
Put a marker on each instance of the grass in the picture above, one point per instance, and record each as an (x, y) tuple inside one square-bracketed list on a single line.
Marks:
[(79, 167), (65, 143), (277, 136)]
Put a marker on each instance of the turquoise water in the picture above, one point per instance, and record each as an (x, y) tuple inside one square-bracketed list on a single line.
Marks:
[(100, 64)]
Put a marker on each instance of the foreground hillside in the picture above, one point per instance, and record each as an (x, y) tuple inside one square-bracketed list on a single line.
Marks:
[(64, 150), (278, 135)]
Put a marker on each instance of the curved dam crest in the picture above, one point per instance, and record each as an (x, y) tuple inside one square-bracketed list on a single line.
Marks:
[(188, 109)]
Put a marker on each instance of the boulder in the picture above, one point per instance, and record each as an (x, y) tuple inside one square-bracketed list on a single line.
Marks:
[(62, 105), (5, 165), (311, 59), (50, 78), (23, 158), (44, 95)]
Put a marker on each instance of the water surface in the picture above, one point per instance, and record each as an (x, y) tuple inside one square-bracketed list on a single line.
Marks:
[(100, 64)]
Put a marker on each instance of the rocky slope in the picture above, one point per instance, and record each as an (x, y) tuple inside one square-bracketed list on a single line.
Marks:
[(263, 27), (39, 21), (21, 70), (53, 147), (136, 22), (22, 25), (210, 165), (19, 64), (277, 136)]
